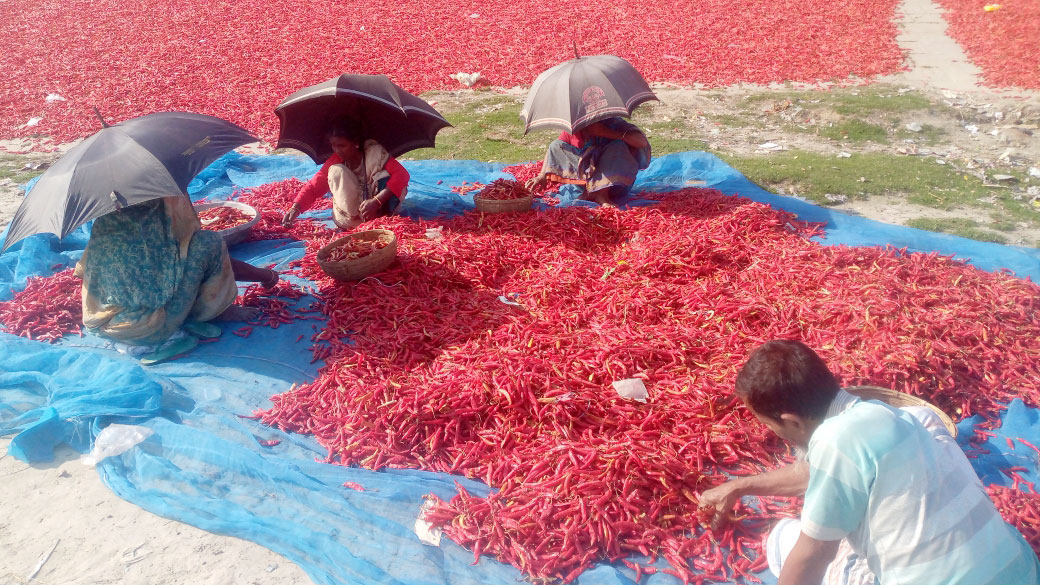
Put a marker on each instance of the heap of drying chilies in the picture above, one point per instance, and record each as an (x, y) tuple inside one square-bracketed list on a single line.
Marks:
[(353, 249), (428, 367), (222, 218), (270, 201), (501, 189), (46, 309)]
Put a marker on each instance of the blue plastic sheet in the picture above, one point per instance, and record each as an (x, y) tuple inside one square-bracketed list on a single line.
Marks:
[(206, 466)]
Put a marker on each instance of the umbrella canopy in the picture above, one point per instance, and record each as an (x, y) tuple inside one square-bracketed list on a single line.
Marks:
[(385, 113), (584, 90), (145, 158)]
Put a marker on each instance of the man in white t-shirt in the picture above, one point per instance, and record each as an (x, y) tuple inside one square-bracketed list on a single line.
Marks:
[(900, 495)]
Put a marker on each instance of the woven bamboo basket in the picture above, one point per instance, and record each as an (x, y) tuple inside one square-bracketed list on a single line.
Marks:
[(239, 233), (503, 205), (366, 265), (898, 399)]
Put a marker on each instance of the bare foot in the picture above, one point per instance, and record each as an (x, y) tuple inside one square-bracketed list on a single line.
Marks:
[(604, 200), (238, 313)]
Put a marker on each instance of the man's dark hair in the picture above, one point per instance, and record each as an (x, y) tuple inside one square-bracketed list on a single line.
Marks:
[(344, 128), (786, 377)]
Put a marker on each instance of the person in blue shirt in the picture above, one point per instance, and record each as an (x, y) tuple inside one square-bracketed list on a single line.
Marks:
[(897, 493)]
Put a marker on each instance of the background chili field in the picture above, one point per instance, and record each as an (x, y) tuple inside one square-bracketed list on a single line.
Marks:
[(238, 60)]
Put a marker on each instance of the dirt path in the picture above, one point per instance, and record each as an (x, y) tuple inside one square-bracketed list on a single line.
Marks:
[(936, 61)]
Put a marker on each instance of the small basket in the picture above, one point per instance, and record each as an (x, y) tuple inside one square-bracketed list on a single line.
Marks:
[(367, 265), (502, 205), (239, 233), (898, 399)]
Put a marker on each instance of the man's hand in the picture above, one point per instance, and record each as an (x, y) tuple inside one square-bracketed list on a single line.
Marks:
[(537, 183), (290, 215), (720, 500)]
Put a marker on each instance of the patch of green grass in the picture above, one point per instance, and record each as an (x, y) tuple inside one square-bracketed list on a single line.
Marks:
[(735, 121), (1017, 209), (1001, 223), (669, 137), (813, 175), (854, 130), (921, 181), (879, 99), (850, 101), (964, 227), (488, 130), (928, 135), (12, 167)]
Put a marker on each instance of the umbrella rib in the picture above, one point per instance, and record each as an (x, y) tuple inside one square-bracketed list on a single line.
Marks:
[(644, 95), (426, 112), (298, 145), (601, 111)]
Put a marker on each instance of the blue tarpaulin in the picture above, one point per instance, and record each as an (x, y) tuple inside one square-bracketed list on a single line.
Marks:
[(206, 466)]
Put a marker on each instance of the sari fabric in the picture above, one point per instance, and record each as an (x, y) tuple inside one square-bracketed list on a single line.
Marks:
[(148, 268), (596, 162)]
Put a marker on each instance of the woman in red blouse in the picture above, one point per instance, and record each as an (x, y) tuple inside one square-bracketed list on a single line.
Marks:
[(365, 181)]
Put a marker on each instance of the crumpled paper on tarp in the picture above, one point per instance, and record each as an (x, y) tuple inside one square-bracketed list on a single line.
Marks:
[(424, 530), (631, 388)]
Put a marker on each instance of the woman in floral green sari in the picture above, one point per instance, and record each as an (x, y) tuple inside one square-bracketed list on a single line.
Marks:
[(150, 269)]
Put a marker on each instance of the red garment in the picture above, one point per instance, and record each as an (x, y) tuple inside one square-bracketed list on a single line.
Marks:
[(318, 186), (574, 140)]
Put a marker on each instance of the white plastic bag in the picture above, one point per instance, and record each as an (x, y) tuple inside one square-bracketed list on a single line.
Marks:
[(114, 440), (467, 79), (631, 388), (424, 530)]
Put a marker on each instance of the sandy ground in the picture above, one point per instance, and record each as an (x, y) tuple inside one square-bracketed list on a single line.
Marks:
[(61, 524), (93, 537)]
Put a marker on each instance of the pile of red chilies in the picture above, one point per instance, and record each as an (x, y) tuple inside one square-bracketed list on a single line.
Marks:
[(46, 309), (502, 189), (271, 201), (222, 218), (525, 172), (467, 187), (354, 249), (1020, 509), (273, 311), (428, 369)]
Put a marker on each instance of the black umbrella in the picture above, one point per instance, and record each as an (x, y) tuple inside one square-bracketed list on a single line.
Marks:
[(584, 90), (385, 113), (141, 159)]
